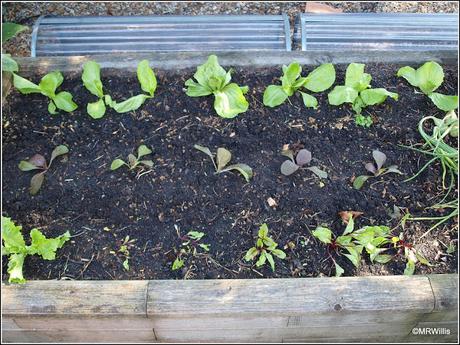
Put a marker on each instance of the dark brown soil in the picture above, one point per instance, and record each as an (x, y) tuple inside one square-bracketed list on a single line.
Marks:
[(181, 193)]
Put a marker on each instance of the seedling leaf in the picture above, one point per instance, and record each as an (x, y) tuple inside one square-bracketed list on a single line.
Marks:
[(146, 77), (288, 168), (243, 169), (274, 95), (359, 181), (380, 158), (58, 151), (223, 158), (303, 157), (323, 234), (36, 182), (117, 163), (143, 150), (318, 172), (338, 270)]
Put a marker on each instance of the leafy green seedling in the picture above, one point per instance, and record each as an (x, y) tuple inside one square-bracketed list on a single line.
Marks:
[(16, 249), (91, 78), (133, 161), (211, 78), (428, 78), (303, 157), (370, 238), (265, 248), (38, 162), (123, 251), (357, 91), (411, 255), (320, 79), (223, 157), (376, 169), (9, 30), (191, 245), (47, 87)]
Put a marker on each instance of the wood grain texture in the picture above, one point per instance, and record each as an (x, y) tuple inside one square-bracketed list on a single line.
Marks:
[(350, 309)]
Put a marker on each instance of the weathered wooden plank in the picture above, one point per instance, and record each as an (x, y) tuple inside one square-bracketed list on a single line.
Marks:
[(445, 289), (41, 297), (79, 336), (289, 297)]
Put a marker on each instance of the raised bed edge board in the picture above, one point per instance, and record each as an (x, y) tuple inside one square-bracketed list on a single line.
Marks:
[(346, 309), (181, 60)]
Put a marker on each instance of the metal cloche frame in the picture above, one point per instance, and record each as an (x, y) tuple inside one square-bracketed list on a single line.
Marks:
[(376, 31), (65, 36)]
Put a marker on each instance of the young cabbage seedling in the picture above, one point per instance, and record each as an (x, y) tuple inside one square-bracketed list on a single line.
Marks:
[(191, 245), (320, 79), (133, 161), (38, 162), (303, 157), (14, 246), (211, 78), (223, 157), (47, 87), (265, 248), (357, 91), (428, 78), (376, 169), (91, 78)]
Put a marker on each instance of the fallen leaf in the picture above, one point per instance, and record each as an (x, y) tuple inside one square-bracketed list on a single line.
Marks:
[(345, 215)]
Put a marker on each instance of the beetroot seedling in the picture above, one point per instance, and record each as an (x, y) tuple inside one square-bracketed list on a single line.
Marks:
[(38, 162), (191, 245), (223, 157), (303, 158), (265, 249), (376, 169)]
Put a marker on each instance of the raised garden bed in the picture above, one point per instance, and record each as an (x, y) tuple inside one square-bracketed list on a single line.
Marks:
[(181, 193)]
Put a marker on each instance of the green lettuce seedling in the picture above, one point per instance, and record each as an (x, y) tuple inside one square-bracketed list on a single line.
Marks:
[(16, 249), (47, 87), (428, 78), (133, 161), (223, 157), (265, 248), (377, 169), (38, 162), (191, 245), (211, 78), (9, 30), (320, 79), (303, 157), (91, 78), (357, 91)]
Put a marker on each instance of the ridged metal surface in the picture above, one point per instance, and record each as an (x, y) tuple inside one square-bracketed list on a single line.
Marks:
[(376, 31), (61, 36)]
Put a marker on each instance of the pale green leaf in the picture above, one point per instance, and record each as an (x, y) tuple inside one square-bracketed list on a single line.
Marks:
[(243, 169), (270, 261), (208, 71), (146, 77), (410, 268), (262, 259), (58, 151), (429, 77), (194, 89), (338, 270), (63, 101), (143, 150), (251, 254), (230, 101), (317, 171), (356, 78), (288, 168), (323, 234), (36, 183), (96, 109), (178, 263), (117, 163), (309, 101), (342, 94), (91, 78), (359, 181), (376, 96), (15, 263), (27, 166), (50, 82), (444, 102), (223, 157), (409, 74), (24, 86), (46, 247), (274, 95), (13, 241), (321, 78), (130, 104)]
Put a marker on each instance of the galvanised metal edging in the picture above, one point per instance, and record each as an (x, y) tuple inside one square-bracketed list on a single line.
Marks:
[(85, 35), (376, 31)]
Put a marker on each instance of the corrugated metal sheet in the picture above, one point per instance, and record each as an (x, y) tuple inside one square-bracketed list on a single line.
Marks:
[(376, 31), (58, 36)]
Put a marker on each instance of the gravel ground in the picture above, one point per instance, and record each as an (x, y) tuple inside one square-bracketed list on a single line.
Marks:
[(27, 12)]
